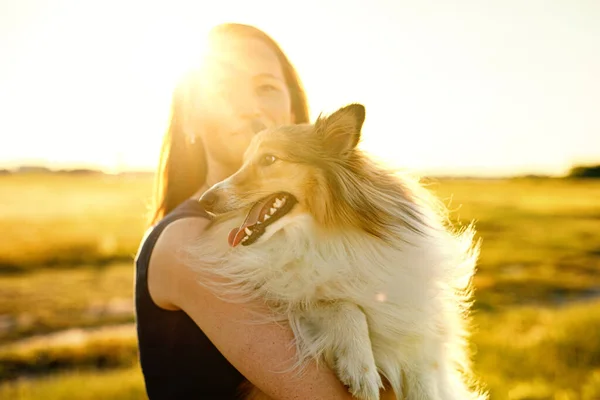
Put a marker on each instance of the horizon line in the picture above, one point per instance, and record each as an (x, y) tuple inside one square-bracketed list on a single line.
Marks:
[(40, 168)]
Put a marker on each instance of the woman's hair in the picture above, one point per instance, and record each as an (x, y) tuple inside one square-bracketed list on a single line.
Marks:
[(182, 165)]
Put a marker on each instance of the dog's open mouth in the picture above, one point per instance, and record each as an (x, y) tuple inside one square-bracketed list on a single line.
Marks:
[(262, 214)]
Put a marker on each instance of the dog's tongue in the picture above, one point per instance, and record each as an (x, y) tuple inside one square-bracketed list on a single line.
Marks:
[(237, 234)]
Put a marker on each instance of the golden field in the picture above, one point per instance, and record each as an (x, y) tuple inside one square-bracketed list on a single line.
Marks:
[(66, 284)]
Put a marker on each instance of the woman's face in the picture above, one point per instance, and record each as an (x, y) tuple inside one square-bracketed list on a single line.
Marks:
[(242, 91)]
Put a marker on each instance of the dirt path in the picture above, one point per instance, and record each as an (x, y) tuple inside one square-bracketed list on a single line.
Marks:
[(73, 337)]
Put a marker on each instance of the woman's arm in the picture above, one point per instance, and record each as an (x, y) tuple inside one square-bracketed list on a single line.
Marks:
[(253, 349)]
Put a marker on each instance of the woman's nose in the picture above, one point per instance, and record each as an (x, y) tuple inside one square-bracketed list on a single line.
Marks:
[(250, 107)]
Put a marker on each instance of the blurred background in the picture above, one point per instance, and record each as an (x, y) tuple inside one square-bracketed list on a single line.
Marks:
[(496, 104)]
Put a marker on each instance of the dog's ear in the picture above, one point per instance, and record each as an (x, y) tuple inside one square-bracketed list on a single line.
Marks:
[(340, 131)]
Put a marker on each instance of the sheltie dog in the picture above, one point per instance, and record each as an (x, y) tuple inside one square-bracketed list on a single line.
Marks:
[(359, 260)]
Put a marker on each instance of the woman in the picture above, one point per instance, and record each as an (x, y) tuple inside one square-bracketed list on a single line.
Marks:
[(192, 345)]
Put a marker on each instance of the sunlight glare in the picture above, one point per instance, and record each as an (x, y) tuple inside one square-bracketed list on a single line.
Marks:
[(91, 85)]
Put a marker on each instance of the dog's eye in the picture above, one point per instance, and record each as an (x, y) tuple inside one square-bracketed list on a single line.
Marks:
[(268, 159)]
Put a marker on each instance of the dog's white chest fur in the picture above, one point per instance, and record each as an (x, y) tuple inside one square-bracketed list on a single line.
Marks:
[(367, 308)]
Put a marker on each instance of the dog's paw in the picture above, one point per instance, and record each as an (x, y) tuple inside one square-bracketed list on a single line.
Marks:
[(362, 379)]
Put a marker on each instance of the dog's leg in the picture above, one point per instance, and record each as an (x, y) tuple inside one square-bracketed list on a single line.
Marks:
[(340, 333)]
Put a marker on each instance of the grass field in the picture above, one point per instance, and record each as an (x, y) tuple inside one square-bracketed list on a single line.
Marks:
[(69, 220), (66, 285)]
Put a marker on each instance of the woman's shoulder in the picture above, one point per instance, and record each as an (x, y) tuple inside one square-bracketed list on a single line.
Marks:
[(178, 234), (183, 218), (166, 266)]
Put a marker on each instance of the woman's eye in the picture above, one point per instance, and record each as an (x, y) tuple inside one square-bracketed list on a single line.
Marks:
[(268, 159), (267, 88)]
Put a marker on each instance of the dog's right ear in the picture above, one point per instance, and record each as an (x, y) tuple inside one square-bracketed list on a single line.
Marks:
[(340, 132)]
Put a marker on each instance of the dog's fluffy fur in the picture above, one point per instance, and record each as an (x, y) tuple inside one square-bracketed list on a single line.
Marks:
[(366, 269)]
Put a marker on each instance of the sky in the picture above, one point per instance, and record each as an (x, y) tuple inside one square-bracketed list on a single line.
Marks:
[(463, 87)]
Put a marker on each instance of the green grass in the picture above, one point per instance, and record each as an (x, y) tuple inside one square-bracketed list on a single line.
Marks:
[(540, 351), (120, 384), (47, 300), (537, 287), (522, 353), (69, 220), (107, 347), (541, 238)]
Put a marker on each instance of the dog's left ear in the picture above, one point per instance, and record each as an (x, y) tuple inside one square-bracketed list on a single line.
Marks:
[(340, 132)]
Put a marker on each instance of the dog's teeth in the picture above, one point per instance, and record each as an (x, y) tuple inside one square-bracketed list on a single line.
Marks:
[(266, 217), (248, 231), (272, 210), (278, 203), (245, 238)]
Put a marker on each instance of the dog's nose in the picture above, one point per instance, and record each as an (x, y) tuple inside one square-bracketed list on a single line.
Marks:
[(208, 200)]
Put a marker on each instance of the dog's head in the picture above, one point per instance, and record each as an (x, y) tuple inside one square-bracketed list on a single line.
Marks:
[(286, 171)]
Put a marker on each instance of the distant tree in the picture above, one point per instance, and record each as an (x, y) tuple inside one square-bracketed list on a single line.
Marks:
[(585, 172), (534, 176), (32, 169), (80, 171)]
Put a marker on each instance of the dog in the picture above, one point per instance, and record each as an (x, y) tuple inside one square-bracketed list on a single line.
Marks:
[(360, 260)]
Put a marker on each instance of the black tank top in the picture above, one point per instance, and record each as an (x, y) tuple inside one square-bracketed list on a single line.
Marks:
[(178, 361)]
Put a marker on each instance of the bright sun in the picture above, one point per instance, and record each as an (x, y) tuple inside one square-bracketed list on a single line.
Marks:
[(91, 84)]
